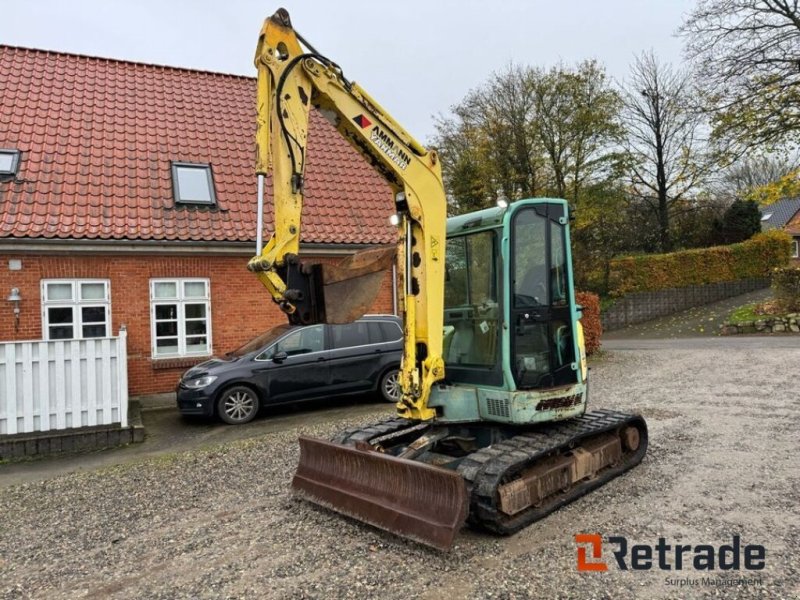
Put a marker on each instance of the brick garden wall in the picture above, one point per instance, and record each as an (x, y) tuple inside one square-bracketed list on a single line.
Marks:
[(644, 306), (240, 306)]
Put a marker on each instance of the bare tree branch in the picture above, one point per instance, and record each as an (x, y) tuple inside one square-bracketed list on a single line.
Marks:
[(747, 59), (666, 154)]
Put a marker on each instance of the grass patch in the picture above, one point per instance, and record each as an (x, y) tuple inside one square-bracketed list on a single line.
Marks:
[(744, 313), (754, 312)]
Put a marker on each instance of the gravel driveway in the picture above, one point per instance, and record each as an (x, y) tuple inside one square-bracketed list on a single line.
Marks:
[(724, 424)]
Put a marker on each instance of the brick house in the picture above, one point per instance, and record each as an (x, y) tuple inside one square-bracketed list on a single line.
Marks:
[(128, 196), (784, 214), (793, 229)]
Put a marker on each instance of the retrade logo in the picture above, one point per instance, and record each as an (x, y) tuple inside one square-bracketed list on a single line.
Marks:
[(595, 542), (667, 557)]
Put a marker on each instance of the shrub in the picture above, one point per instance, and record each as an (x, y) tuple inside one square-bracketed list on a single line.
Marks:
[(786, 286), (592, 328), (740, 222), (755, 257)]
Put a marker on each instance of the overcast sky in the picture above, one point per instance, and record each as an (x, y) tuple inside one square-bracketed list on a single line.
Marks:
[(416, 57)]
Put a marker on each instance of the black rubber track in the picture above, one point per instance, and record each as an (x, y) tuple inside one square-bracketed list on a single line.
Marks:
[(370, 432), (487, 469)]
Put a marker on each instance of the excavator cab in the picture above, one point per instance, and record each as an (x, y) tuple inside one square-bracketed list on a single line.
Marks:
[(513, 346)]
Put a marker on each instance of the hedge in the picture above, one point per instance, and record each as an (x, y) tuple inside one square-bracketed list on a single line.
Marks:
[(592, 328), (786, 283), (756, 257)]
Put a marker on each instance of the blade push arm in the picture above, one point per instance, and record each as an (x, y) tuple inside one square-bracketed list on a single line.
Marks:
[(290, 81)]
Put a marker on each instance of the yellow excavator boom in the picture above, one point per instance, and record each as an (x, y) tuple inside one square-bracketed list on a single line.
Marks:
[(291, 81)]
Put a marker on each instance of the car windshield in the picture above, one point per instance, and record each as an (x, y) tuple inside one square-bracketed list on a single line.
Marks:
[(258, 342)]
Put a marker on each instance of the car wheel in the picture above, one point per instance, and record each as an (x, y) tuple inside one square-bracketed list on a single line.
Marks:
[(237, 405), (390, 386)]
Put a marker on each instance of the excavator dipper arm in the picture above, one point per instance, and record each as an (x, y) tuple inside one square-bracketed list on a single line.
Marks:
[(290, 81), (402, 496)]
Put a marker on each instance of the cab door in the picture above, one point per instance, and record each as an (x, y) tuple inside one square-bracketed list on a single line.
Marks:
[(541, 316)]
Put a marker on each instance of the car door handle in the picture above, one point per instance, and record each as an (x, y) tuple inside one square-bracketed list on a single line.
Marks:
[(320, 359), (377, 351)]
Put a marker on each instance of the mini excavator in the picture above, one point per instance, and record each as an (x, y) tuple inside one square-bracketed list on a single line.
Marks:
[(492, 427)]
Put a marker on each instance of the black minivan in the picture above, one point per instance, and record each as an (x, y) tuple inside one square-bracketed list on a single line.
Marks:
[(291, 363)]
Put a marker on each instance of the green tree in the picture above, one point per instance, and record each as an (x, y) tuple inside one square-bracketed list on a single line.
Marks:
[(528, 132), (601, 231), (532, 132), (486, 144), (746, 54), (577, 124), (740, 222), (465, 165)]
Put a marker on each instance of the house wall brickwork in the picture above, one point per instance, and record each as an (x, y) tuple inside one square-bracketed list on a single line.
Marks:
[(240, 306), (793, 229)]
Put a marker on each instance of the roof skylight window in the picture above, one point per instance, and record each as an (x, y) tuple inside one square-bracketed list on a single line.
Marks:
[(193, 183), (9, 161)]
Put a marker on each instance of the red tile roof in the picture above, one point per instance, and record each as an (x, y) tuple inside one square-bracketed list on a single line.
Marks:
[(97, 137)]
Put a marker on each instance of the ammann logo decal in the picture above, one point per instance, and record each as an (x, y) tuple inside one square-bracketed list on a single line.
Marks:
[(707, 559), (383, 141)]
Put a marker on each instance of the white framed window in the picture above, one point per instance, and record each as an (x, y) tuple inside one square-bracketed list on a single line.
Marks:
[(795, 253), (76, 308), (180, 317)]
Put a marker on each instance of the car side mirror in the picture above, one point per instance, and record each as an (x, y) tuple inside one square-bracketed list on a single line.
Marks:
[(279, 357)]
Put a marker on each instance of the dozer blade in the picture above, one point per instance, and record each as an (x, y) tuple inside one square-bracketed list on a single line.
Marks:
[(351, 286), (411, 499)]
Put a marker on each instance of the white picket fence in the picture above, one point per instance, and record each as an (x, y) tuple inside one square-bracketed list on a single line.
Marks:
[(52, 385)]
